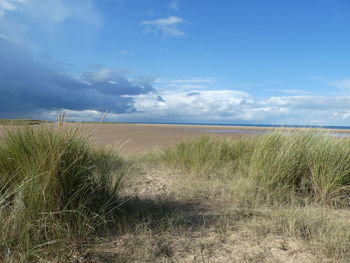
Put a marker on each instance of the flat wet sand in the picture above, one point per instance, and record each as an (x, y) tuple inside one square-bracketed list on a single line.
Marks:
[(141, 138)]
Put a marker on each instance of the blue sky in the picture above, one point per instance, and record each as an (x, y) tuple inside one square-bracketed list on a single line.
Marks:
[(237, 61)]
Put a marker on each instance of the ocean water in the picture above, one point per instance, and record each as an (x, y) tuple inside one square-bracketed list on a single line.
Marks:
[(330, 133), (252, 125), (260, 131)]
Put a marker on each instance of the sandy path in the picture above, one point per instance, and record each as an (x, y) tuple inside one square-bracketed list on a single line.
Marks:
[(199, 240)]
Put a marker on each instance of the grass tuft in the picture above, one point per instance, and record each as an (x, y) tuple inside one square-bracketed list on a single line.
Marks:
[(207, 154), (54, 187), (284, 166)]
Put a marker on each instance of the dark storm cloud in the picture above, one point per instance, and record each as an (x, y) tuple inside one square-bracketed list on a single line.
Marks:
[(27, 86)]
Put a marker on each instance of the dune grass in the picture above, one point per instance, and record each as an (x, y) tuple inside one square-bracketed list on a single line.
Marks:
[(293, 184), (317, 227), (57, 190), (283, 165), (54, 188), (207, 154)]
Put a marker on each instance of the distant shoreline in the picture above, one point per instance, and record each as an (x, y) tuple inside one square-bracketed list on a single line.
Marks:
[(267, 127), (146, 137), (224, 125), (210, 126), (227, 125)]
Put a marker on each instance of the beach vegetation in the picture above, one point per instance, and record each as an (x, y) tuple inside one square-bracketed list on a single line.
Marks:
[(63, 197), (54, 188)]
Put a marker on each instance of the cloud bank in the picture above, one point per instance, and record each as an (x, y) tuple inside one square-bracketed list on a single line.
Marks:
[(233, 106), (27, 86), (36, 89)]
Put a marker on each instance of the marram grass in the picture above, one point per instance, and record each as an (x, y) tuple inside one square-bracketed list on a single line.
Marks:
[(304, 165), (207, 154), (292, 183), (54, 187)]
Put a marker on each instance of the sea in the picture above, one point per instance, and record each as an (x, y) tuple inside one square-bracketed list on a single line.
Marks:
[(337, 133)]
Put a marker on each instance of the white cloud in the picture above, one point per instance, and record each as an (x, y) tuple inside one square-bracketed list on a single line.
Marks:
[(233, 106), (211, 104), (228, 106), (310, 102), (165, 26)]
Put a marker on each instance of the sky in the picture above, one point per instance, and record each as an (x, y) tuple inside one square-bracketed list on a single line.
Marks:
[(177, 61)]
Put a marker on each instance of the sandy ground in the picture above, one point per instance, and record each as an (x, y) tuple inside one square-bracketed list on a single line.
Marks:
[(199, 242), (136, 138), (141, 138)]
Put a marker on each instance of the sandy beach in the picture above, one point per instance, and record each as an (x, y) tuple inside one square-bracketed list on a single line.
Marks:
[(142, 138), (139, 138)]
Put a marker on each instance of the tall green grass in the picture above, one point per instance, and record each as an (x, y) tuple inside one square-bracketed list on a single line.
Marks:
[(54, 187), (207, 154), (284, 166)]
